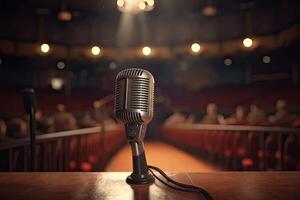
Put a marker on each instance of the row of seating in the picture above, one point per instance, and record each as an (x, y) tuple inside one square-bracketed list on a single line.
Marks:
[(86, 152), (78, 102), (240, 150), (266, 95)]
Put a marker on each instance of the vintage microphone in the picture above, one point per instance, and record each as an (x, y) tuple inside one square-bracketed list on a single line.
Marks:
[(134, 97), (30, 108)]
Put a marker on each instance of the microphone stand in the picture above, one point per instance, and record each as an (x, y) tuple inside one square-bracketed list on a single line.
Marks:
[(32, 139), (135, 134), (30, 108)]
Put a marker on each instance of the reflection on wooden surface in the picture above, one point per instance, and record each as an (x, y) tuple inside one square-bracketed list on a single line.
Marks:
[(221, 185)]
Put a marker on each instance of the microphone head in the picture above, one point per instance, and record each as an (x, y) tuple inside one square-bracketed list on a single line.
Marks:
[(29, 100), (134, 96)]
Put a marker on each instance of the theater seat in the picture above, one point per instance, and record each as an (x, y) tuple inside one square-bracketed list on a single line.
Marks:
[(253, 153), (239, 150), (290, 153), (272, 155), (73, 154), (228, 150)]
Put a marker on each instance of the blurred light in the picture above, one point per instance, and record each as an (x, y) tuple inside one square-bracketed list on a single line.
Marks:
[(95, 50), (135, 6), (142, 5), (45, 48), (1, 61), (248, 42), (146, 50), (64, 16), (57, 83), (60, 65), (112, 65), (209, 11), (150, 2), (266, 59), (227, 62), (195, 47), (120, 3)]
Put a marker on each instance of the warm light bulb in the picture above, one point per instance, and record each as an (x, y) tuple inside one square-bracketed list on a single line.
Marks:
[(142, 5), (248, 42), (95, 50), (120, 3), (45, 48), (146, 51), (150, 2), (195, 47), (57, 83)]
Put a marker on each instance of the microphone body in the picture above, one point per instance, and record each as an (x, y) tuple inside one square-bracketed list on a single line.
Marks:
[(134, 107), (30, 108)]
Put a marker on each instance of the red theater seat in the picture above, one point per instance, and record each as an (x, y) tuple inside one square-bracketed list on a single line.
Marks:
[(272, 154), (253, 154), (239, 150), (73, 146), (290, 153), (228, 150)]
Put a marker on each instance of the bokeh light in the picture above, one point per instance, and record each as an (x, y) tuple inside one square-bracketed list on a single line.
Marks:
[(60, 65), (266, 59), (146, 50), (248, 42), (195, 47), (227, 61), (95, 50), (142, 5), (45, 48), (57, 83), (120, 3)]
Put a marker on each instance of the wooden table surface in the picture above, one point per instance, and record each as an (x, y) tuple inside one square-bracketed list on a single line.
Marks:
[(221, 185)]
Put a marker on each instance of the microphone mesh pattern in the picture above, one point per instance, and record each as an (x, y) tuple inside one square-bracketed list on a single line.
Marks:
[(139, 105), (139, 94)]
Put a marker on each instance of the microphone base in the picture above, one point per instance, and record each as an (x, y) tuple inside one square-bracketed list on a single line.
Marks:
[(140, 179)]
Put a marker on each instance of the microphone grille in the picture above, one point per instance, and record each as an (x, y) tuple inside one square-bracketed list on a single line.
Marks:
[(136, 104), (139, 94), (132, 72)]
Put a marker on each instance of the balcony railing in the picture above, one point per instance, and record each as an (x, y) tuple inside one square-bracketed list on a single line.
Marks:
[(237, 147), (86, 149)]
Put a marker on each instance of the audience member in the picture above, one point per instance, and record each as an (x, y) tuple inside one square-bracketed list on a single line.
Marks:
[(296, 123), (100, 113), (212, 116), (17, 128), (239, 116), (190, 118), (43, 124), (2, 130), (281, 115), (176, 118), (256, 114), (87, 120), (63, 120)]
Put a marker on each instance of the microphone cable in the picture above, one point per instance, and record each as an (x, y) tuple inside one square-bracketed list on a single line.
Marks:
[(176, 185)]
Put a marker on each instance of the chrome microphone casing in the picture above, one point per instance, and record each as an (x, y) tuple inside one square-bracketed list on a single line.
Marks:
[(134, 99), (134, 104)]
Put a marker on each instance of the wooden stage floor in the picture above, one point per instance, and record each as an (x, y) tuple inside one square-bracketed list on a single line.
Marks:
[(162, 155)]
